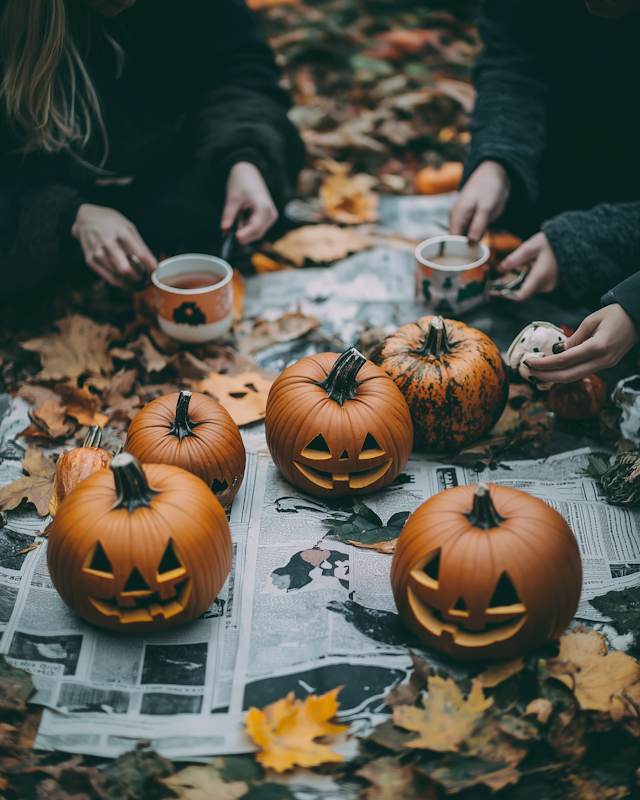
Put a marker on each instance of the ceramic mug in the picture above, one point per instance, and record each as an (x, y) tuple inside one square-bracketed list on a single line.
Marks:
[(451, 274), (194, 315)]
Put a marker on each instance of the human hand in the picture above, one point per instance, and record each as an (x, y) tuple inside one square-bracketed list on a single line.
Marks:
[(246, 189), (481, 201), (543, 274), (108, 239), (600, 342)]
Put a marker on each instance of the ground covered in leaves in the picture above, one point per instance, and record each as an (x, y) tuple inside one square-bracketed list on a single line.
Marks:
[(381, 91)]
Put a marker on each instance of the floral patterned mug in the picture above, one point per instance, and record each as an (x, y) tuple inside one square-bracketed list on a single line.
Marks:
[(194, 297)]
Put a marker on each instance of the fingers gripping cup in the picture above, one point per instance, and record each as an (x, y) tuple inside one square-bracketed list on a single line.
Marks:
[(451, 274), (194, 297)]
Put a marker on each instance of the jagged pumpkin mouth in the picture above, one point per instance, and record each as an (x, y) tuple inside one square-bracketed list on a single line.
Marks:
[(333, 480), (508, 621), (144, 605)]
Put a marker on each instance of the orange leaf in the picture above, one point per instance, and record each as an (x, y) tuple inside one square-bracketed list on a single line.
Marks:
[(239, 291), (244, 397), (82, 404), (262, 264), (49, 421), (346, 198), (286, 729)]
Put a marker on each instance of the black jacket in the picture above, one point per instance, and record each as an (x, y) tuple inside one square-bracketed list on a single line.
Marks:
[(558, 106), (198, 74)]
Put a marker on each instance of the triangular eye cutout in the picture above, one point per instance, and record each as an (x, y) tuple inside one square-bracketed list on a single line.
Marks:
[(317, 448), (169, 560), (100, 561), (217, 487), (460, 605), (505, 593), (371, 448), (432, 569), (135, 582)]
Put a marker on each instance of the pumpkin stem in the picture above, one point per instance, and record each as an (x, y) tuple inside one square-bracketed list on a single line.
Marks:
[(435, 339), (93, 437), (483, 514), (341, 384), (132, 489), (182, 426)]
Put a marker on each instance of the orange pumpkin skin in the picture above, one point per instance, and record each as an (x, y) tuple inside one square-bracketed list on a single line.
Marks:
[(160, 565), (476, 593), (578, 400), (194, 432), (452, 377), (332, 449), (431, 180), (73, 466)]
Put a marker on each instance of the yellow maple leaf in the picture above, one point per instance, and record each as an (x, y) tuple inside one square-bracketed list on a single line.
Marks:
[(447, 718), (286, 729), (347, 198)]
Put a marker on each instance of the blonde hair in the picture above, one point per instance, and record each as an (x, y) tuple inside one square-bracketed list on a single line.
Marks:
[(47, 93)]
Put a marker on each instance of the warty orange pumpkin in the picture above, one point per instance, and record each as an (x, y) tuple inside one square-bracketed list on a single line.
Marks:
[(139, 548), (73, 466), (337, 425), (486, 571), (452, 377), (194, 432)]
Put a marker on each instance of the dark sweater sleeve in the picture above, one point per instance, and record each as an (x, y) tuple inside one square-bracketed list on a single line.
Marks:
[(509, 119), (595, 248), (241, 110), (626, 294)]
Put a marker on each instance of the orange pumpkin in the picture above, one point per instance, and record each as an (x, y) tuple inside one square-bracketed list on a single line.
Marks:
[(73, 466), (433, 180), (452, 377), (578, 400), (337, 425), (137, 549), (194, 432), (486, 572)]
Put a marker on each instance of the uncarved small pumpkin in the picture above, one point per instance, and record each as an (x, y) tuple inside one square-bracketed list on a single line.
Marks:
[(194, 432), (579, 399), (73, 466), (139, 548), (337, 425), (486, 571), (452, 377), (434, 180)]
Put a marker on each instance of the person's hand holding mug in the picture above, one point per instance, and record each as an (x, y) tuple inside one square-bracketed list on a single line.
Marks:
[(108, 240), (602, 339), (246, 190), (481, 201)]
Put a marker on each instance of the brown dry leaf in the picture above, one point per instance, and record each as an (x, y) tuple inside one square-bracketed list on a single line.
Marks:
[(15, 687), (447, 718), (283, 329), (406, 694), (36, 394), (588, 789), (542, 708), (228, 361), (50, 421), (72, 779), (149, 357), (163, 342), (319, 243), (82, 404), (80, 348), (259, 4), (204, 783), (37, 488), (391, 780), (601, 681), (499, 671), (239, 292), (347, 199), (286, 729), (262, 264), (387, 547), (120, 386), (244, 396)]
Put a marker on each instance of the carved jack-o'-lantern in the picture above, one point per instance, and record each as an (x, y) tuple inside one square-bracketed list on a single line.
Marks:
[(479, 575), (137, 548), (338, 425)]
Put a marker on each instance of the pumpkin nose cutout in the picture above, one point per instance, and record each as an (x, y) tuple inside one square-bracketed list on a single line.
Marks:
[(135, 583), (344, 456)]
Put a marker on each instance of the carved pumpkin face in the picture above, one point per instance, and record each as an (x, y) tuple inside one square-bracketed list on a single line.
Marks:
[(133, 558), (478, 580), (338, 426)]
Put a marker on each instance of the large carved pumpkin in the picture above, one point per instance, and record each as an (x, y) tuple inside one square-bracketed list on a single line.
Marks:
[(138, 549), (486, 572), (337, 425), (194, 432), (73, 466), (452, 377)]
